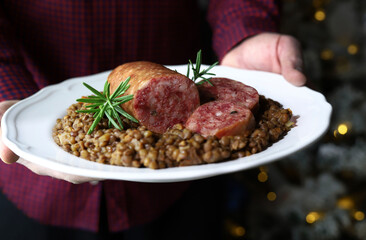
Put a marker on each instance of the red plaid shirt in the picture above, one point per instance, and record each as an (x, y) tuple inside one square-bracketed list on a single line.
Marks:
[(45, 42)]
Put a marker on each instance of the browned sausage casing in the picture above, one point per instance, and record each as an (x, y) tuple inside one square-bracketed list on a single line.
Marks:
[(162, 97)]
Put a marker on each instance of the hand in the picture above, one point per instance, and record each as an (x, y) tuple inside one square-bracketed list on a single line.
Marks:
[(9, 157), (5, 154), (269, 52)]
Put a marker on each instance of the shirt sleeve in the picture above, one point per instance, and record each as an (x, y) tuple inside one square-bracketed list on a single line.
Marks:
[(234, 20), (16, 82)]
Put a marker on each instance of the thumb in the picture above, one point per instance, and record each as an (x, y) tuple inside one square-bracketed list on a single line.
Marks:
[(291, 60), (6, 154)]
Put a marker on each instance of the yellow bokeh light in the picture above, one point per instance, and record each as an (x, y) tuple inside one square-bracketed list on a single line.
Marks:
[(327, 54), (352, 49), (345, 203), (359, 216), (271, 196), (320, 15), (312, 217), (342, 129), (262, 177), (235, 229), (239, 231)]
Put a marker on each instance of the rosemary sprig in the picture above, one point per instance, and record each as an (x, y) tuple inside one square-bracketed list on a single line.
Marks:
[(105, 104), (196, 70)]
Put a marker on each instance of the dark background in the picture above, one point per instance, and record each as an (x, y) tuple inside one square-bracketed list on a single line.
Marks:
[(318, 193)]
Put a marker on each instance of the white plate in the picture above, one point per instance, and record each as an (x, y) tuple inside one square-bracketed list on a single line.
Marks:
[(27, 128)]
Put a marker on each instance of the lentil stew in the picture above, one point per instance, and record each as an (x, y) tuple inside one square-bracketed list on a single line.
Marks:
[(136, 146)]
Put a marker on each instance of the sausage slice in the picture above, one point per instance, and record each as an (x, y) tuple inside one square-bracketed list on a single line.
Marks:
[(229, 90), (221, 118)]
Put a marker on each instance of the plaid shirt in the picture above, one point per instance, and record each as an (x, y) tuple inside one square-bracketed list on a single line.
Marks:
[(45, 42)]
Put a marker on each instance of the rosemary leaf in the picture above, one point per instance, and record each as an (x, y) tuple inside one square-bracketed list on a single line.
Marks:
[(93, 90), (111, 120), (105, 104), (94, 105), (116, 116), (92, 96), (126, 115), (203, 81), (97, 120), (106, 86), (188, 71), (90, 100), (121, 89), (108, 111), (209, 68), (198, 61), (108, 93), (87, 111), (124, 98), (197, 74)]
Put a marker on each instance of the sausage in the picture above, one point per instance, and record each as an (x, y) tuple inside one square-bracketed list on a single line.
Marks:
[(229, 90), (221, 118), (162, 97)]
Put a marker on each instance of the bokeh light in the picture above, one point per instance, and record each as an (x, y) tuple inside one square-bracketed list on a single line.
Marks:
[(312, 217), (320, 15), (271, 196)]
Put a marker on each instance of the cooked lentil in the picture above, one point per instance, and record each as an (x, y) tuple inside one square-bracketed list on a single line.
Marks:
[(136, 146)]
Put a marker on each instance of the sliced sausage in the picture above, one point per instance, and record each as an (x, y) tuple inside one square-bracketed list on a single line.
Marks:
[(162, 97), (221, 118), (229, 90)]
